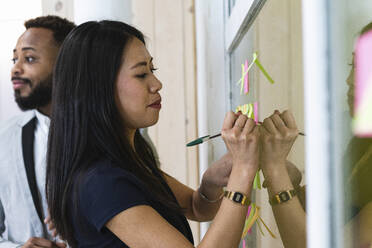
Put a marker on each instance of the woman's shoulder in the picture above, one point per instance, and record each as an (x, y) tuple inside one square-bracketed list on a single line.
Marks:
[(106, 172)]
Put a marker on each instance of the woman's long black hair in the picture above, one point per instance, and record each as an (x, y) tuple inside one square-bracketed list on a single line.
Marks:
[(85, 122)]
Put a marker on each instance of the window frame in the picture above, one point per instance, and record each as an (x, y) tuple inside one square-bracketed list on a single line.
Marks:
[(243, 14)]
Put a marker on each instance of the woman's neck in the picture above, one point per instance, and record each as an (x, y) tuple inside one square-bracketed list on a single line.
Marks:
[(130, 134)]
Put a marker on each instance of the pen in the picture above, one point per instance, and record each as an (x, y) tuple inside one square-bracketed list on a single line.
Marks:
[(209, 137)]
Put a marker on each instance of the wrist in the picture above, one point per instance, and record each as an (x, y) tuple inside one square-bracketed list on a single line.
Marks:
[(273, 168), (278, 181), (245, 167), (275, 173), (241, 180)]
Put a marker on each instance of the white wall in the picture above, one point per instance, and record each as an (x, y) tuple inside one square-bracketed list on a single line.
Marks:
[(86, 10), (63, 8), (12, 16)]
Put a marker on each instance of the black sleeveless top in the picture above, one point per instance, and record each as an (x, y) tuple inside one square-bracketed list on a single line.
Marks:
[(107, 190)]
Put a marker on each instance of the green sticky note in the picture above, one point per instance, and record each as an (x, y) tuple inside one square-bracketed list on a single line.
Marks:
[(264, 71), (242, 81)]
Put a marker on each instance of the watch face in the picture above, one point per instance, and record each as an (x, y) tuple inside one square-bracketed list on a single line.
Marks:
[(284, 196), (237, 197)]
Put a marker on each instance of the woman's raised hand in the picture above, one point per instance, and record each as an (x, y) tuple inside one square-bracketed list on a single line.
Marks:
[(218, 172), (278, 133), (241, 136)]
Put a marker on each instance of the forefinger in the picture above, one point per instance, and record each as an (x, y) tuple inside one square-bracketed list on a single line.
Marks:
[(229, 120), (249, 126)]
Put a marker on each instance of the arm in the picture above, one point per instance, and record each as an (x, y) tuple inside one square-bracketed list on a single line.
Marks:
[(241, 139), (359, 229), (296, 178), (278, 134), (197, 207)]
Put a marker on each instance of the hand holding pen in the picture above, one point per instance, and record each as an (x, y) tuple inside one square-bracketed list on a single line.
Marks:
[(209, 137)]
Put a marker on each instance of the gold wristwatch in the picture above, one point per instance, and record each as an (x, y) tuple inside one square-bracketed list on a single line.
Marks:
[(282, 197), (237, 197)]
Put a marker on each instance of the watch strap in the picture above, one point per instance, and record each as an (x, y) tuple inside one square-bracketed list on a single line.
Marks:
[(237, 197), (282, 197)]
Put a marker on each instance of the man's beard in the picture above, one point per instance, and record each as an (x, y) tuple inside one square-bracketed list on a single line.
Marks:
[(39, 96)]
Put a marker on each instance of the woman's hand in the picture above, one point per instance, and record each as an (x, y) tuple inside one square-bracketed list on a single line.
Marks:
[(51, 227), (241, 136), (215, 177), (278, 133), (218, 172)]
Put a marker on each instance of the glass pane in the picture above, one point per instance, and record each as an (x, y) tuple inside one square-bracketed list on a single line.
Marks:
[(242, 53), (276, 38), (231, 5), (352, 148)]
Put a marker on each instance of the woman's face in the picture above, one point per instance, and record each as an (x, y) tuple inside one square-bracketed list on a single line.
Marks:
[(137, 88), (350, 94)]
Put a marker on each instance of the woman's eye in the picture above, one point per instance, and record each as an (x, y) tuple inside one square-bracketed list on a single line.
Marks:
[(14, 60), (142, 75)]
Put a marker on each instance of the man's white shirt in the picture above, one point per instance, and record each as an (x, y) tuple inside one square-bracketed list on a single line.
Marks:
[(40, 149)]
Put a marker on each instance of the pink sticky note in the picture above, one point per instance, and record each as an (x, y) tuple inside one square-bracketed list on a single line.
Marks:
[(362, 124), (244, 246), (246, 78), (255, 112)]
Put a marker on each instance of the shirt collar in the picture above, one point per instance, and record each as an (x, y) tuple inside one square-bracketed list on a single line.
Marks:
[(43, 121)]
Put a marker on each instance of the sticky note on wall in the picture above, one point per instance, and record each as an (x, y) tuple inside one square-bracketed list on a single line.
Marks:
[(362, 123), (247, 109), (246, 78)]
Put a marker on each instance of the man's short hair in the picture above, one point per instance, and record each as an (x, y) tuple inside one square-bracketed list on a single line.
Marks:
[(60, 27)]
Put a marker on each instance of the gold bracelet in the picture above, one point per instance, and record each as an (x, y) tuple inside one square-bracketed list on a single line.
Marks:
[(282, 197), (206, 198), (237, 197)]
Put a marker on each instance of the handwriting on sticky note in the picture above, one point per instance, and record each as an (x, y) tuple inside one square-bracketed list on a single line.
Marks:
[(248, 110), (244, 80)]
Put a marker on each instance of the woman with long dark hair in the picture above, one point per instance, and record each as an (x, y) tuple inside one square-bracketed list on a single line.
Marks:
[(104, 188)]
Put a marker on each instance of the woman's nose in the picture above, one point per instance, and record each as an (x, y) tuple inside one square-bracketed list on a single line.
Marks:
[(156, 85)]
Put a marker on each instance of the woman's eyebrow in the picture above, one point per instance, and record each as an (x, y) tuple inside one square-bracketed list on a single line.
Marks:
[(142, 63)]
